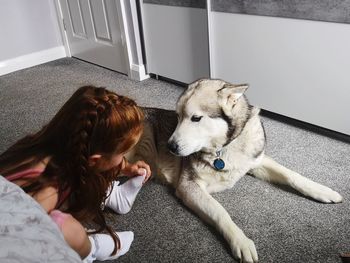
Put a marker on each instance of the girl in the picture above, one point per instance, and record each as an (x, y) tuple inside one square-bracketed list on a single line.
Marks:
[(70, 166)]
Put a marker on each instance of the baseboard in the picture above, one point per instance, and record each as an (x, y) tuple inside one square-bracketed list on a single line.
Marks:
[(32, 59), (138, 72), (307, 126), (179, 83)]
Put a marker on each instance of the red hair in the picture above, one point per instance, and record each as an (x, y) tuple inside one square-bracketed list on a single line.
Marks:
[(93, 121)]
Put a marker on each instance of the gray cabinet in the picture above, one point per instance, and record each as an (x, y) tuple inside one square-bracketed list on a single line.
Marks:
[(176, 40)]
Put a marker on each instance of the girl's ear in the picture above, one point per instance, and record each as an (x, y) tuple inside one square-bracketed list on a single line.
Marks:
[(93, 159)]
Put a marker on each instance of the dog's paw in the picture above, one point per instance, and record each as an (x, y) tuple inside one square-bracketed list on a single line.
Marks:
[(325, 195), (244, 249), (331, 196)]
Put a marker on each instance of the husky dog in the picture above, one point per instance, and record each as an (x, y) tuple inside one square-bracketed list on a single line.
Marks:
[(215, 139)]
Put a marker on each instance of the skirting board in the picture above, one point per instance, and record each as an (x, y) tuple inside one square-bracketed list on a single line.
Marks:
[(32, 59), (138, 72)]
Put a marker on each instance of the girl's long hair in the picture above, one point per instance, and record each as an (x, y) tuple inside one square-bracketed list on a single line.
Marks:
[(93, 121)]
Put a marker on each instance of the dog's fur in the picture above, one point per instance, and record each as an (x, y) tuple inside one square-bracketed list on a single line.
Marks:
[(214, 116)]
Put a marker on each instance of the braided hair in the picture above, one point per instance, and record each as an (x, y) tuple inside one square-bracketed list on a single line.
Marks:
[(93, 121)]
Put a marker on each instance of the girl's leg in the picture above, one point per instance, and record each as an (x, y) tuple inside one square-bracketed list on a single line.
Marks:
[(73, 231), (122, 197), (93, 247)]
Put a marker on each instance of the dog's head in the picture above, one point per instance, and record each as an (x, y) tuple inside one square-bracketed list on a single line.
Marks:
[(211, 113)]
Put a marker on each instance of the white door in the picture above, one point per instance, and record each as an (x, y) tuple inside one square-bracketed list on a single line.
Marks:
[(94, 32)]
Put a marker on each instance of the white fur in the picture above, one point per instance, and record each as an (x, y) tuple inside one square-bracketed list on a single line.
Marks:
[(194, 177)]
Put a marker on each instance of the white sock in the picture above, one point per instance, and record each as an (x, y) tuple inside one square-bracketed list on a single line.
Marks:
[(102, 245), (123, 196)]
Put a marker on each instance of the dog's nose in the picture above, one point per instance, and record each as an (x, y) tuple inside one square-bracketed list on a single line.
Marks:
[(173, 147)]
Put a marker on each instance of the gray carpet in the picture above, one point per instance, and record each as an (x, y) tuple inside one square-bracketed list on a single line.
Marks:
[(285, 226)]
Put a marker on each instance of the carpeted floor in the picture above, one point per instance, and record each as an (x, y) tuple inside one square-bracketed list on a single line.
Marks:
[(285, 226)]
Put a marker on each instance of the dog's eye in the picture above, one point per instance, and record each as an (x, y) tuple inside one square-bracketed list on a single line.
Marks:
[(196, 118)]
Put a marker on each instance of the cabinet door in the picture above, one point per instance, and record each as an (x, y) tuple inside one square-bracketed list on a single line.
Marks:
[(176, 41)]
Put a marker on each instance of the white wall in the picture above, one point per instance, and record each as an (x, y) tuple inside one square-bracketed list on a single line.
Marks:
[(297, 68), (27, 29)]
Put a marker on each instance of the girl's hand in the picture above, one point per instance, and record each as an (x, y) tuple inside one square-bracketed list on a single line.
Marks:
[(137, 169)]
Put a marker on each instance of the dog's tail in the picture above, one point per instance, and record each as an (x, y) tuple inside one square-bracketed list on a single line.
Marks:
[(270, 170)]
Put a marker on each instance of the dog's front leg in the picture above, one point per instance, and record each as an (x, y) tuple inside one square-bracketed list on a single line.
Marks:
[(274, 172), (210, 210)]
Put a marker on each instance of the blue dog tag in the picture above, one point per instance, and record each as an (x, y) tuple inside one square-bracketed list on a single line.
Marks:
[(219, 164)]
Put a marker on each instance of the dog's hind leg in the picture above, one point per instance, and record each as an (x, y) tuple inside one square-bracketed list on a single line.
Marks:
[(211, 211), (274, 172)]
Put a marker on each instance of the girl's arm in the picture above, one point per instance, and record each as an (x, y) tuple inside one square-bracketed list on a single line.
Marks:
[(135, 169), (47, 198)]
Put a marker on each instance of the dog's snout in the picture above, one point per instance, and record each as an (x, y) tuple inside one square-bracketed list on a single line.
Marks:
[(173, 147)]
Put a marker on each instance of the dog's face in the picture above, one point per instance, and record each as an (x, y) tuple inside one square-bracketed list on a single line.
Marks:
[(204, 116)]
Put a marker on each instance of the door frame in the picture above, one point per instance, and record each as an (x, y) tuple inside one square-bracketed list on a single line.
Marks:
[(135, 65)]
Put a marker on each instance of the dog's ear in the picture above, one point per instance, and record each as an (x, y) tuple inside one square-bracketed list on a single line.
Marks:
[(230, 93)]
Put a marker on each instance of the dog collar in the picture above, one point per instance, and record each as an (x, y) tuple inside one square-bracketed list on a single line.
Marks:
[(219, 163)]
